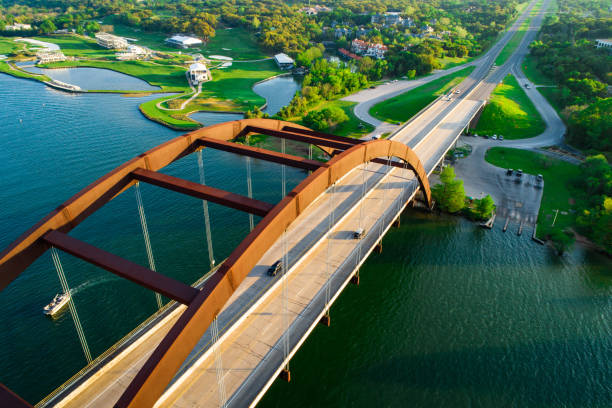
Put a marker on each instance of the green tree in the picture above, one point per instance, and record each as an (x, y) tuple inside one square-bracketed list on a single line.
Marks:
[(47, 27), (484, 207), (325, 118), (449, 195)]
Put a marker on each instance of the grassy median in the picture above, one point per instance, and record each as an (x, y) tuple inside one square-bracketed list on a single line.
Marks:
[(510, 113), (402, 107)]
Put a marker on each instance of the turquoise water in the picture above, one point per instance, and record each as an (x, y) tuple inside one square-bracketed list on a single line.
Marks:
[(95, 79), (53, 145), (447, 315)]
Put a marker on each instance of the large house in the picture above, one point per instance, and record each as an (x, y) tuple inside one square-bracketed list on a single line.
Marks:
[(388, 19), (604, 43), (198, 73), (112, 42), (46, 55), (183, 41), (368, 49), (284, 61), (313, 11), (18, 27), (133, 52)]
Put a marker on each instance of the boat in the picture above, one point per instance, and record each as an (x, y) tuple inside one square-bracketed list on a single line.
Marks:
[(59, 301)]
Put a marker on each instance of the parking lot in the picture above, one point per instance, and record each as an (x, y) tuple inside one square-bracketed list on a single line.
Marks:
[(517, 199)]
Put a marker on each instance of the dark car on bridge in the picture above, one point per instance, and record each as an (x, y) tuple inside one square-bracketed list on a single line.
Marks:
[(275, 268)]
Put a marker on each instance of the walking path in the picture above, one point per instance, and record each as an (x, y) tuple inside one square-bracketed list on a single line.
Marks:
[(196, 92)]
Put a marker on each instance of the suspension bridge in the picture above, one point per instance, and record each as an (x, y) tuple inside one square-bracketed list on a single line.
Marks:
[(224, 340)]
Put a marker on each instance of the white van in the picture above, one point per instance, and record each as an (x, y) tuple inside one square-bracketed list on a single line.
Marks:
[(359, 233)]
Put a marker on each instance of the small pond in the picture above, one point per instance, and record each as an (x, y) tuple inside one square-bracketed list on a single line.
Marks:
[(95, 79)]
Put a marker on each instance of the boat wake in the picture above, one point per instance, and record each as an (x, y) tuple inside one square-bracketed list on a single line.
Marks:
[(91, 283)]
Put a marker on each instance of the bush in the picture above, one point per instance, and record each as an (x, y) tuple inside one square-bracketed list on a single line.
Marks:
[(325, 118)]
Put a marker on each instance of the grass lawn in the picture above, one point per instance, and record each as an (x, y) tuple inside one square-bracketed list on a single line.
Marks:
[(81, 46), (240, 44), (9, 45), (558, 181), (7, 69), (510, 113), (514, 42), (176, 120), (449, 62), (533, 73), (402, 107), (169, 77), (236, 82)]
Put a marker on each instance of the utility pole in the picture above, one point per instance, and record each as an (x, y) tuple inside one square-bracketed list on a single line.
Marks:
[(555, 219)]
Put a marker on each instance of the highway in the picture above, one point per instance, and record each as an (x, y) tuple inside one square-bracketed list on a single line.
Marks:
[(267, 318)]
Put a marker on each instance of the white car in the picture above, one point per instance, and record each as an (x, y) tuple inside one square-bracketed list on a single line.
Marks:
[(375, 137), (494, 137), (457, 91)]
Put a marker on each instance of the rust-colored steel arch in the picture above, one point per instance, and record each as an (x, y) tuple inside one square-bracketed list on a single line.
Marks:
[(165, 361), (30, 245), (202, 305)]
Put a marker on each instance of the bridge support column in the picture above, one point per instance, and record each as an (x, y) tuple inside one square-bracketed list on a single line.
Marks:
[(378, 247), (285, 374), (396, 222), (325, 320), (355, 278)]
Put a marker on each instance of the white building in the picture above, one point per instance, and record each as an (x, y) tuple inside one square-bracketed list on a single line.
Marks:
[(46, 55), (284, 61), (313, 11), (18, 27), (133, 52), (198, 73), (183, 41), (605, 43), (110, 41), (368, 49)]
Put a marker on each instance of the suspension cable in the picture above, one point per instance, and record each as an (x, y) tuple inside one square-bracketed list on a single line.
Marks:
[(250, 191), (207, 233), (283, 175), (331, 220), (309, 156), (218, 363), (145, 234), (75, 317), (384, 197)]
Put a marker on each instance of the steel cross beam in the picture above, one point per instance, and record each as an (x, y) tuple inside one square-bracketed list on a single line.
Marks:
[(319, 141), (8, 399), (215, 195), (258, 153), (129, 270), (322, 135)]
